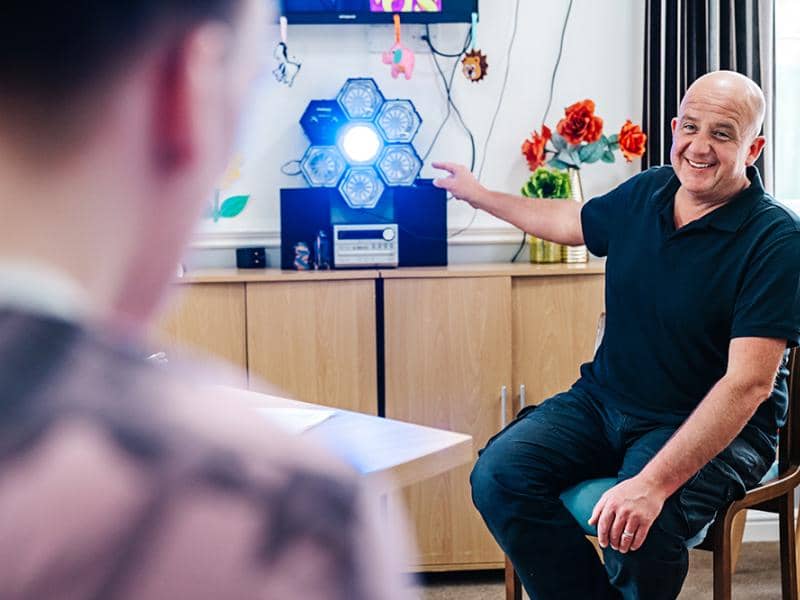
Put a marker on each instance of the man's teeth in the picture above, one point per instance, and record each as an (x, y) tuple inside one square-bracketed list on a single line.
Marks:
[(698, 165)]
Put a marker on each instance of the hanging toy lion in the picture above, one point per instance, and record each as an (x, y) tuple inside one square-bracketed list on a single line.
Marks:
[(474, 65)]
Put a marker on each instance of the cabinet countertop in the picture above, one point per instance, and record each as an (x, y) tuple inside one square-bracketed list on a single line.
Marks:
[(460, 270)]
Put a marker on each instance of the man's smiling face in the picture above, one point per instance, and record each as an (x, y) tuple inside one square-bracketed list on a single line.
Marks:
[(715, 138)]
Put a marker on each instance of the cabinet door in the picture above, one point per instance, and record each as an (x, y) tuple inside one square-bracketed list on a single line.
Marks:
[(315, 341), (448, 354), (554, 322), (208, 318)]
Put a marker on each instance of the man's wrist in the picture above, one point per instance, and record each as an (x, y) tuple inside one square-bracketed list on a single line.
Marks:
[(662, 484)]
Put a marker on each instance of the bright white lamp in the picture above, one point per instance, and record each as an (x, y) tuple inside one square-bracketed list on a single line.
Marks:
[(361, 143)]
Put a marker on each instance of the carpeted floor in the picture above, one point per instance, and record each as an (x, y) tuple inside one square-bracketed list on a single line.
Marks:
[(757, 578)]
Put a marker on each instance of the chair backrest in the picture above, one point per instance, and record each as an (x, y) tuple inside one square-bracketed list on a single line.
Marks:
[(789, 442)]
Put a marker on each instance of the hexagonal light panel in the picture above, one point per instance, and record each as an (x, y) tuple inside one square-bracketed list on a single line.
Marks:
[(323, 166), (361, 187), (360, 143), (322, 120), (399, 164), (398, 120), (360, 98)]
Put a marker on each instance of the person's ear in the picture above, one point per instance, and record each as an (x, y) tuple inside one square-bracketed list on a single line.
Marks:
[(674, 124), (754, 151), (190, 96)]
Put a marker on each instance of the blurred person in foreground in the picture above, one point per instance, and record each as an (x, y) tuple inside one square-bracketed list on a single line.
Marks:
[(117, 481)]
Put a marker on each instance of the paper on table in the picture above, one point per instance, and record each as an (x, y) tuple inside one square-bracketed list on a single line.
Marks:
[(295, 420)]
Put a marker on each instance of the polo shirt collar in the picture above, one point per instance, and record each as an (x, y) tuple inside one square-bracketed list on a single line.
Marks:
[(728, 217)]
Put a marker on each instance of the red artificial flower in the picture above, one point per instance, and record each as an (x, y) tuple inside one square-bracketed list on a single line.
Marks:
[(632, 141), (580, 124), (533, 149)]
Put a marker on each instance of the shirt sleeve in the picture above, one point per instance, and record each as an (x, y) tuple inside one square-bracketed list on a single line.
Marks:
[(602, 216), (769, 300)]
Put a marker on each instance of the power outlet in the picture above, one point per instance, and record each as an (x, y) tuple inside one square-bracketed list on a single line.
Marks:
[(381, 37)]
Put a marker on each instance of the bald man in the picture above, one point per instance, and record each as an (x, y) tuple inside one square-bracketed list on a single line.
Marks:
[(685, 394)]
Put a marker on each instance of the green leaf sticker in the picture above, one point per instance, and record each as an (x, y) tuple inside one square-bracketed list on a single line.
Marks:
[(608, 156), (613, 138), (233, 206)]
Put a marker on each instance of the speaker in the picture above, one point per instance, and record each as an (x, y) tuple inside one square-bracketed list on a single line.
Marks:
[(419, 210), (251, 258)]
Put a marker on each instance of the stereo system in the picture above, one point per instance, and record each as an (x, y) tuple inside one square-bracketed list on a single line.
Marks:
[(407, 227)]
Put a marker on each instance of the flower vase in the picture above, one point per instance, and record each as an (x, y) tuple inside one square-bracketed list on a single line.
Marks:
[(543, 251), (575, 254)]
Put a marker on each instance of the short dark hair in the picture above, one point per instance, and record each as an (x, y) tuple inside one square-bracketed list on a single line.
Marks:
[(51, 50)]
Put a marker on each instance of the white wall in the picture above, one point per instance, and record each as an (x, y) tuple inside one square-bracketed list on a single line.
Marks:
[(602, 60)]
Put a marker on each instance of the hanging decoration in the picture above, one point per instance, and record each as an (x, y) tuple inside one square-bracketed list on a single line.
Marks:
[(399, 56), (474, 65), (288, 65)]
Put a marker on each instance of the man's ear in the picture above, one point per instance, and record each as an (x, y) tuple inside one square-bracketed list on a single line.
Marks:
[(190, 83), (754, 151), (674, 124)]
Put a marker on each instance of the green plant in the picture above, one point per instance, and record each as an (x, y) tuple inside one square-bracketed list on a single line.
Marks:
[(234, 205), (547, 183)]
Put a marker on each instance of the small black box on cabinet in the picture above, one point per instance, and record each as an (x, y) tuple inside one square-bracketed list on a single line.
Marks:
[(251, 258)]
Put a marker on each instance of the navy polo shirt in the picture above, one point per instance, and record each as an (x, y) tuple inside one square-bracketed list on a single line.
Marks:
[(675, 298)]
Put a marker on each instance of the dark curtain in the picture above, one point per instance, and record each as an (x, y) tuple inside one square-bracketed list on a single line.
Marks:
[(685, 39)]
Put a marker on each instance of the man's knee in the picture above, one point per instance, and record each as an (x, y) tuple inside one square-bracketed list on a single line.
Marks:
[(487, 491)]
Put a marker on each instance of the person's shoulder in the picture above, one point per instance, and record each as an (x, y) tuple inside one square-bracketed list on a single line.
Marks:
[(775, 217)]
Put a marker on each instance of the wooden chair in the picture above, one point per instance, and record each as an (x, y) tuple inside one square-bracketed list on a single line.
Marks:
[(774, 494)]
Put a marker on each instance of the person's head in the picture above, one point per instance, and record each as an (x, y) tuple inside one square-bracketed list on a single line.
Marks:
[(116, 119), (715, 136)]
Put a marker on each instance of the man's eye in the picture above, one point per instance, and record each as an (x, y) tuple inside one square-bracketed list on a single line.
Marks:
[(722, 135), (688, 127)]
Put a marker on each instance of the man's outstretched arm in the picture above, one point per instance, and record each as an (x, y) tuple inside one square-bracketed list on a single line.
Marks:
[(553, 220)]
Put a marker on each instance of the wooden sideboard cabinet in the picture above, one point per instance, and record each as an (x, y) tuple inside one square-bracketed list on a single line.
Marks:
[(554, 320), (316, 340), (456, 341), (448, 356), (208, 318)]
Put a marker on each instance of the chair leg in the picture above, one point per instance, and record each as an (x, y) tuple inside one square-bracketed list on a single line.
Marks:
[(513, 584), (737, 535), (722, 559), (788, 547)]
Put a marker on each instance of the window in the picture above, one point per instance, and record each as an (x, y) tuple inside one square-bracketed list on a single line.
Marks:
[(787, 103)]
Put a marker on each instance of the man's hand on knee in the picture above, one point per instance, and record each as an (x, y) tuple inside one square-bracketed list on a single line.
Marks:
[(625, 513)]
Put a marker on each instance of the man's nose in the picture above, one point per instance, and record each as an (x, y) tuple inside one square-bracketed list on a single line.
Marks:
[(700, 145)]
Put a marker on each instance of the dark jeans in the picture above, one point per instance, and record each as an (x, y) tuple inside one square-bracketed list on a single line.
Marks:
[(570, 438)]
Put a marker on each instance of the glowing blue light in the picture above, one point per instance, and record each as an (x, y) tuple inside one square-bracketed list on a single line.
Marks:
[(398, 120), (360, 143), (399, 164), (361, 187), (360, 98), (322, 166)]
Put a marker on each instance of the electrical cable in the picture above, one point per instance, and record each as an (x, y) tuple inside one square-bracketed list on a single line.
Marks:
[(294, 173), (448, 87), (549, 103), (503, 88)]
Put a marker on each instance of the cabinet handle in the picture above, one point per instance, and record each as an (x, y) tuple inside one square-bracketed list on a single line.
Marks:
[(522, 401), (503, 405)]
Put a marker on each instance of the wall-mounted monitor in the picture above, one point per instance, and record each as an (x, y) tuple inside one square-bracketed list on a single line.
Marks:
[(378, 11)]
